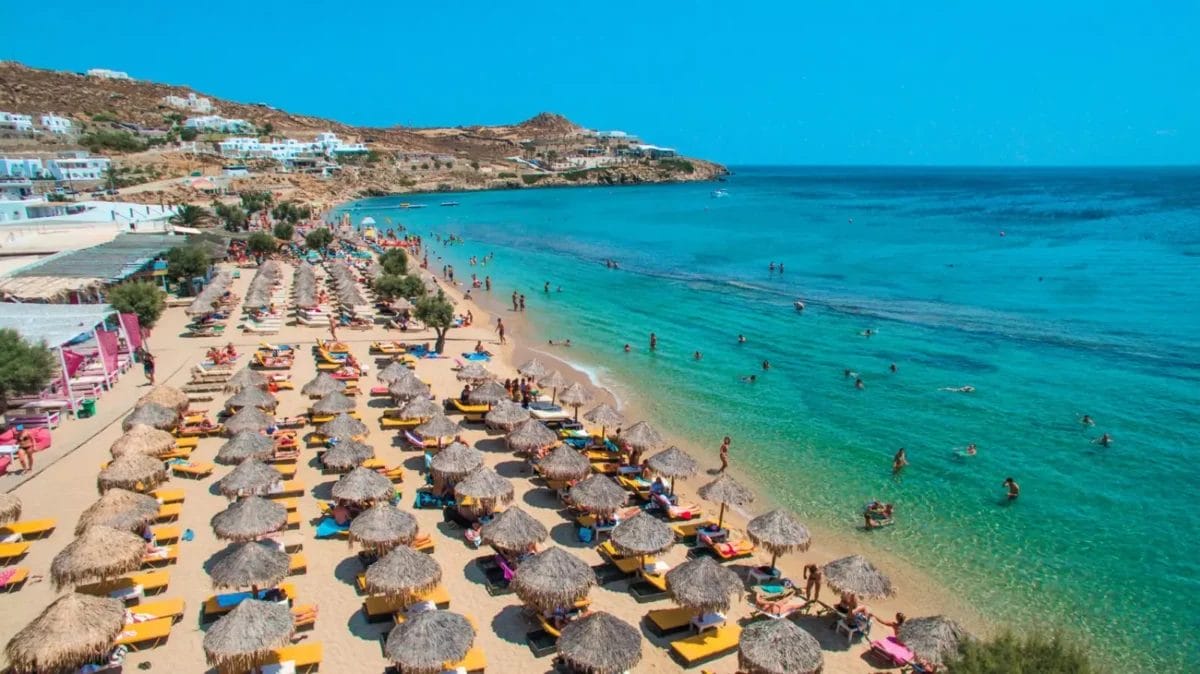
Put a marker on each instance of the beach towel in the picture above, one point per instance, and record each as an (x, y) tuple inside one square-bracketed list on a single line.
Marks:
[(328, 528), (477, 356), (6, 575)]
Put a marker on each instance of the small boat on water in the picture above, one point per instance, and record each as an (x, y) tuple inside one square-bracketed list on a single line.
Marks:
[(408, 205), (719, 194), (449, 203)]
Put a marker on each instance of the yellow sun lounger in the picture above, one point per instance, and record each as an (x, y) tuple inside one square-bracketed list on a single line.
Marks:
[(288, 488), (165, 534), (150, 582), (29, 528), (392, 423), (473, 661), (469, 412), (193, 470), (214, 608), (11, 552), (666, 620), (309, 611), (303, 656), (707, 645), (168, 495), (381, 607), (297, 564), (169, 511), (184, 453), (326, 418), (187, 443), (170, 556), (17, 580), (162, 608), (148, 634), (689, 529), (293, 520), (657, 580)]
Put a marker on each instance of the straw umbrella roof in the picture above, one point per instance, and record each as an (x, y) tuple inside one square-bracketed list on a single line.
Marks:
[(403, 572), (403, 304), (531, 436), (673, 462), (934, 638), (142, 439), (604, 415), (487, 393), (245, 378), (248, 419), (780, 532), (152, 414), (333, 403), (642, 534), (534, 368), (726, 491), (601, 644), (553, 578), (408, 389), (382, 527), (486, 486), (347, 455), (245, 445), (575, 395), (343, 426), (506, 414), (119, 509), (395, 371), (10, 507), (363, 484), (426, 642), (438, 426), (132, 471), (473, 372), (251, 476), (252, 397), (322, 385), (778, 647), (244, 637), (419, 408), (250, 564), (514, 530), (167, 396), (98, 553), (553, 380), (455, 461), (565, 463), (248, 519), (642, 436), (598, 494), (703, 584), (855, 574), (72, 631)]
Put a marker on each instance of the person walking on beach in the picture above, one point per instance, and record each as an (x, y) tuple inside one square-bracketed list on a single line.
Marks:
[(332, 327), (522, 299), (148, 366), (653, 341), (725, 453), (514, 300), (1014, 489), (812, 582), (487, 283), (25, 448), (500, 329), (899, 461)]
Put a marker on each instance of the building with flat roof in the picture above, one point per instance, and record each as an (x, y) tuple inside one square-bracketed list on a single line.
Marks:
[(218, 124), (55, 124), (22, 167), (11, 121), (78, 166), (191, 102), (107, 74)]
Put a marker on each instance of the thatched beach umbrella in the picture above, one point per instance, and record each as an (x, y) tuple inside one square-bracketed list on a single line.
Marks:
[(251, 476), (513, 530), (506, 414), (673, 462), (347, 455), (252, 564), (438, 426), (167, 396), (322, 385), (252, 397), (575, 395), (726, 491), (97, 554), (778, 647), (473, 372), (132, 471), (395, 371), (780, 532), (534, 368), (249, 519), (455, 462), (74, 630), (604, 416), (935, 638), (154, 415), (403, 572), (120, 509), (333, 403), (598, 494), (488, 393), (565, 463), (10, 508), (408, 389), (553, 381), (363, 485), (343, 427), (642, 535), (856, 575), (142, 439), (487, 488), (248, 419), (245, 445), (242, 639), (382, 527), (552, 579), (245, 378), (703, 584), (642, 436), (531, 436), (403, 304), (419, 408), (600, 644), (428, 642)]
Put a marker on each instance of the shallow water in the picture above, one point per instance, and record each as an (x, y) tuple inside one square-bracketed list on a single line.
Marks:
[(1053, 292)]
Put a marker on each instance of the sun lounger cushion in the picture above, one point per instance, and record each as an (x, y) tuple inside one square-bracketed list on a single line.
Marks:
[(706, 645), (29, 528), (143, 634)]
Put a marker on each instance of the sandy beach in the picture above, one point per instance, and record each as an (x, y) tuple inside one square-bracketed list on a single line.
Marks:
[(63, 485)]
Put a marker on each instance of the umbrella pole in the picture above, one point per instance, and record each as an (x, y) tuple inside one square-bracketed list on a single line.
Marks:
[(672, 486), (774, 556), (721, 518)]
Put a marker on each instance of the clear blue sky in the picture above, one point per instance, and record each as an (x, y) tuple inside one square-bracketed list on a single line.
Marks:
[(864, 82)]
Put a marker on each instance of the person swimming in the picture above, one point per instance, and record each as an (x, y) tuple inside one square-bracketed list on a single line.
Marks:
[(858, 384), (1104, 440), (959, 389), (971, 450), (697, 355), (1087, 421), (750, 379), (741, 339), (628, 348)]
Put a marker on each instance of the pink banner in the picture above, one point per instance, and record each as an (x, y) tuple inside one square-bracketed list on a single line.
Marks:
[(133, 330), (73, 361), (109, 343)]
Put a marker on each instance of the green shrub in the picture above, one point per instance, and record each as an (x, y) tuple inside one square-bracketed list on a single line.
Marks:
[(533, 178), (24, 367), (1034, 653), (117, 141), (507, 174), (676, 164), (143, 298)]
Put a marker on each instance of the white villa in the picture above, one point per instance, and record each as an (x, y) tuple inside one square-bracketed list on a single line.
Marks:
[(78, 166), (21, 167), (288, 150), (191, 102), (15, 122), (107, 74), (219, 124), (55, 124)]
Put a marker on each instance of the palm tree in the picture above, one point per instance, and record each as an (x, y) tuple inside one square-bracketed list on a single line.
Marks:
[(192, 216)]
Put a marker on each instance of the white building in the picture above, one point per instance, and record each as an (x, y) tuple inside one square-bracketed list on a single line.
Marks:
[(78, 166), (14, 122), (21, 167), (288, 150), (56, 124), (218, 124), (107, 74), (190, 102), (15, 189)]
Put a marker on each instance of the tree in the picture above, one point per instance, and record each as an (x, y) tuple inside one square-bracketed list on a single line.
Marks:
[(233, 216), (318, 239), (1008, 654), (290, 211), (188, 133), (436, 312), (261, 243), (395, 261), (139, 297), (24, 367), (187, 262), (192, 216), (253, 202), (284, 230), (390, 286)]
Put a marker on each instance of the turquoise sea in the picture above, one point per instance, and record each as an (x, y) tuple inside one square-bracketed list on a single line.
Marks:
[(1053, 292)]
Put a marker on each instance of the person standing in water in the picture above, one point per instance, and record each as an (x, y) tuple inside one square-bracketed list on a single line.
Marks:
[(893, 368), (724, 453), (899, 461), (514, 299), (546, 288), (653, 342), (522, 302), (858, 384), (1014, 489), (766, 365)]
